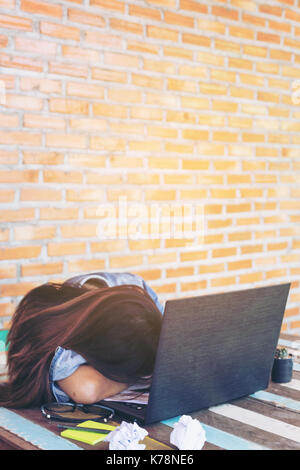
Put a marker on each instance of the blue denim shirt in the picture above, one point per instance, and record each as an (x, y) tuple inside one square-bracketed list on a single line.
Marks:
[(66, 361)]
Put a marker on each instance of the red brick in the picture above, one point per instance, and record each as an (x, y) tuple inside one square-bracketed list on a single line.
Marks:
[(8, 157), (74, 70), (271, 10), (7, 309), (191, 5), (10, 215), (81, 16), (18, 176), (25, 63), (35, 46), (114, 5), (86, 265), (293, 15), (45, 194), (41, 8), (52, 213), (3, 40), (18, 289), (69, 248), (15, 22), (126, 26), (8, 271), (36, 269), (9, 120), (20, 252), (20, 138), (268, 37), (59, 31), (151, 13), (7, 195), (43, 85), (24, 102), (60, 105), (57, 176), (42, 158), (225, 12), (34, 232)]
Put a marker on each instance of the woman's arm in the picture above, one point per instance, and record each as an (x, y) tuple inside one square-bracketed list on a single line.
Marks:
[(87, 385)]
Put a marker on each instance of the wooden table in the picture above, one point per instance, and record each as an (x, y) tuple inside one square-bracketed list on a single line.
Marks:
[(269, 419)]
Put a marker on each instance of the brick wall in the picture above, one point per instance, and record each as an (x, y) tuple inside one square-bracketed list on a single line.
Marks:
[(158, 103)]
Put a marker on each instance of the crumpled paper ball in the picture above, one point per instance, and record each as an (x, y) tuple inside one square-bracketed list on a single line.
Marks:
[(188, 434), (126, 437)]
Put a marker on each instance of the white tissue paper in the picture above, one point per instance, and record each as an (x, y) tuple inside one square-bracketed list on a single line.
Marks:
[(188, 434), (126, 437)]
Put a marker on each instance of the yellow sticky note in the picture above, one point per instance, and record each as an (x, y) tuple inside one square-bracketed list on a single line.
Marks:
[(88, 437)]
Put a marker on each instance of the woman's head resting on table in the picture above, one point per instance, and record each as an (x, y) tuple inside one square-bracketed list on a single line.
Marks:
[(116, 329)]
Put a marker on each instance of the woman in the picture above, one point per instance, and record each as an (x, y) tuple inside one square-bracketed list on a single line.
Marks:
[(84, 340)]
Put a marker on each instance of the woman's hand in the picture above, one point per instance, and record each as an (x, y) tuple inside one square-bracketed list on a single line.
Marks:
[(86, 385)]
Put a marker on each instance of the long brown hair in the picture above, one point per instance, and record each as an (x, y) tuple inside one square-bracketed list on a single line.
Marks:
[(116, 329)]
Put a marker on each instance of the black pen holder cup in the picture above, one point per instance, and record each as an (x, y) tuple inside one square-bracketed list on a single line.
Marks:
[(282, 370)]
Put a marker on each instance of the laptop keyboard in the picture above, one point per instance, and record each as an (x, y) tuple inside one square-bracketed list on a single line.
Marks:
[(135, 406)]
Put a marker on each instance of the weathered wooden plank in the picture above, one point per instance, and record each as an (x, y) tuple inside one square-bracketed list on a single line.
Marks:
[(218, 436), (263, 422), (248, 432), (283, 391), (276, 400), (293, 384), (281, 414)]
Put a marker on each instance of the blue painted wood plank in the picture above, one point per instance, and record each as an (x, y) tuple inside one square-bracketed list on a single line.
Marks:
[(272, 397), (33, 433)]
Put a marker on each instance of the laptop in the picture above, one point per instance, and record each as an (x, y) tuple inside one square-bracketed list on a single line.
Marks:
[(212, 349)]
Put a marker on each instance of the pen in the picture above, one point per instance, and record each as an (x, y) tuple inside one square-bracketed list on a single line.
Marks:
[(82, 428)]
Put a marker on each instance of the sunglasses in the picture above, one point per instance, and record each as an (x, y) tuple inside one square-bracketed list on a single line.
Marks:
[(76, 412)]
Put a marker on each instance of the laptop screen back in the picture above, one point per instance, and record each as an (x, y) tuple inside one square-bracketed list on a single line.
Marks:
[(215, 348)]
